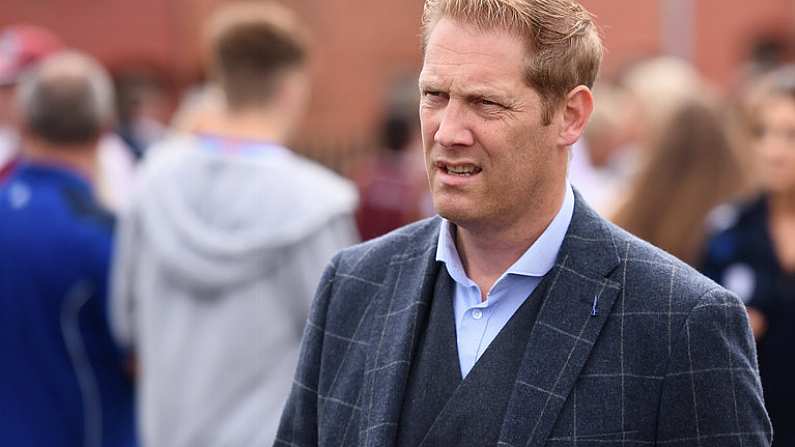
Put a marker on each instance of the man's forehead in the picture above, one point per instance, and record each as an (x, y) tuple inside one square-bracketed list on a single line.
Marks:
[(471, 79), (464, 85), (465, 52)]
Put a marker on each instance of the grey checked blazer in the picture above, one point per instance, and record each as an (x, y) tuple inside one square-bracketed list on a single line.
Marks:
[(668, 359)]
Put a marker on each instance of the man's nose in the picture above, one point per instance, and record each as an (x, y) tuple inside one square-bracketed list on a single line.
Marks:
[(454, 127)]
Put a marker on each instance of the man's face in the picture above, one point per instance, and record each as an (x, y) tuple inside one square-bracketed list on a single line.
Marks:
[(490, 160), (775, 143)]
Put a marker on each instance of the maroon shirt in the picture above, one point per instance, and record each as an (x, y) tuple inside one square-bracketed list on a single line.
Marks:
[(5, 170)]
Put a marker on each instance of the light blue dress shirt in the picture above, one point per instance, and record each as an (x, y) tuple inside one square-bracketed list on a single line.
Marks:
[(478, 322)]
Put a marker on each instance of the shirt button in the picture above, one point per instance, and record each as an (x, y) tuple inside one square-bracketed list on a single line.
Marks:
[(477, 314)]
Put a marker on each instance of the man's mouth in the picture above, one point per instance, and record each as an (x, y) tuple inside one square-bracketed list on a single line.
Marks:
[(462, 169)]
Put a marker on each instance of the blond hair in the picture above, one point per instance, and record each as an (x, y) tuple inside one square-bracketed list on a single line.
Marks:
[(691, 168), (563, 43), (661, 85)]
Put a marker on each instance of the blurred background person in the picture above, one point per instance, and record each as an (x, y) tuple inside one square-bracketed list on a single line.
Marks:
[(658, 86), (224, 243), (152, 47), (21, 48), (200, 106), (632, 116), (603, 158), (392, 183), (116, 174), (64, 382), (689, 170), (754, 256), (143, 107)]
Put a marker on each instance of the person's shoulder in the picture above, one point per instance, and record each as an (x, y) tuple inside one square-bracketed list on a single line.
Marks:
[(86, 235), (73, 201), (651, 271), (89, 213), (736, 216), (734, 232), (305, 191), (168, 152), (657, 284), (320, 180), (413, 241), (163, 160)]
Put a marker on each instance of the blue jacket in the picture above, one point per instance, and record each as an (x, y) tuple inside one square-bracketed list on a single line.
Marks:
[(742, 257), (62, 381)]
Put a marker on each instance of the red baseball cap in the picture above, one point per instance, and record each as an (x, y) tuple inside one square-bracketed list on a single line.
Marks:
[(21, 47)]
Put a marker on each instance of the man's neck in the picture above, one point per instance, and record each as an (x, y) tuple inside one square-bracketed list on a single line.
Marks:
[(485, 259), (81, 158), (264, 125), (486, 253)]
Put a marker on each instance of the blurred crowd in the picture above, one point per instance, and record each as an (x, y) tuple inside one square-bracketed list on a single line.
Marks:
[(155, 271)]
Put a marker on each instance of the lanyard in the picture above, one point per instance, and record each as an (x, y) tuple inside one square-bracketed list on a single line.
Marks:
[(242, 146)]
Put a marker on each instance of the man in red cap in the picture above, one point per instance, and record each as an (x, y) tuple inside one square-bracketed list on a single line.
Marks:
[(21, 47)]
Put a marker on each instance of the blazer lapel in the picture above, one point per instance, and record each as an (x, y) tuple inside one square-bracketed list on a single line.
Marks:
[(400, 309), (576, 306)]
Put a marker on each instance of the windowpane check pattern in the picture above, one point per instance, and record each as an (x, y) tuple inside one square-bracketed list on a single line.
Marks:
[(668, 359)]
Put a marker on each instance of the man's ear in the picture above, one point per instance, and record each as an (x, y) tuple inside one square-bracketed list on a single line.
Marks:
[(577, 110)]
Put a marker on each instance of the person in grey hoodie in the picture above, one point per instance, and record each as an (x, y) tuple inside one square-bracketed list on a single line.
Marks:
[(226, 237)]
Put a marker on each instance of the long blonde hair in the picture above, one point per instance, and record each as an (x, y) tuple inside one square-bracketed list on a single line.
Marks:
[(690, 169)]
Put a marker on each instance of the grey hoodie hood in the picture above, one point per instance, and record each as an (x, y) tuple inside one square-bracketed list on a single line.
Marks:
[(271, 199)]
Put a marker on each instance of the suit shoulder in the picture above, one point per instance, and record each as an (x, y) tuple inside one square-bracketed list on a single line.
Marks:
[(657, 275)]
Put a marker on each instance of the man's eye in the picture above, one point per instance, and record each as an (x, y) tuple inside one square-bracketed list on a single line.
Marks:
[(488, 103), (434, 98)]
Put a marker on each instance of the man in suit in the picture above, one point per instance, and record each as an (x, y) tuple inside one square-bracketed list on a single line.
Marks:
[(519, 317)]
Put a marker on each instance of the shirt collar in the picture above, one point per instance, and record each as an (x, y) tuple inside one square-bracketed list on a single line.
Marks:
[(55, 171), (537, 261)]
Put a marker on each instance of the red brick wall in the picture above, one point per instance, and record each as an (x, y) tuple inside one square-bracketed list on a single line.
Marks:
[(362, 45), (726, 28), (630, 28)]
